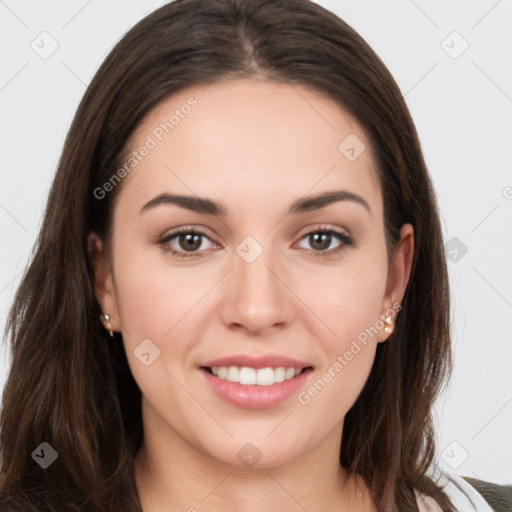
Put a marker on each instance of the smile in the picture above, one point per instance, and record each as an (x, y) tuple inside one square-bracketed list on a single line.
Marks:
[(255, 382), (246, 375)]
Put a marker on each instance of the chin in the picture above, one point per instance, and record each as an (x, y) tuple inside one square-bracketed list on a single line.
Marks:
[(258, 452)]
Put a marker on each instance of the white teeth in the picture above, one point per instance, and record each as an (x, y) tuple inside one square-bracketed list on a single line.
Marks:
[(250, 376), (247, 375), (290, 372), (279, 374), (233, 374), (265, 377)]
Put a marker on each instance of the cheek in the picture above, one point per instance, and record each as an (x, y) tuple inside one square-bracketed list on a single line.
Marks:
[(150, 298), (152, 305), (347, 298), (347, 353)]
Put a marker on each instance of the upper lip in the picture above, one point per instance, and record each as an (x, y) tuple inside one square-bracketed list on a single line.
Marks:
[(267, 361)]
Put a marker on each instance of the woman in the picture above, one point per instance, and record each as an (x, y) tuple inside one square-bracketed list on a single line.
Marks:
[(176, 343)]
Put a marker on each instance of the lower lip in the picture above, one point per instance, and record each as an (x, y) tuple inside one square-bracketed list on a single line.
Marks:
[(253, 396)]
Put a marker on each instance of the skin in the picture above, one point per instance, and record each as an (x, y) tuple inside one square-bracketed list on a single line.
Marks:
[(256, 147)]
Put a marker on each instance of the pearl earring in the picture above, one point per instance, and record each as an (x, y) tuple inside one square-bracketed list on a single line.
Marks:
[(388, 329), (105, 319)]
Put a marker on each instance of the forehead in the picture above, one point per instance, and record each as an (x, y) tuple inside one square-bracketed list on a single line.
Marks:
[(248, 140)]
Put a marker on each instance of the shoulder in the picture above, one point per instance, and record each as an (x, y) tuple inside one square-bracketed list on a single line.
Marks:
[(499, 497), (470, 495)]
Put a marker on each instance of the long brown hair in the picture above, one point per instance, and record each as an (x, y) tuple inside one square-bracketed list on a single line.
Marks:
[(70, 386)]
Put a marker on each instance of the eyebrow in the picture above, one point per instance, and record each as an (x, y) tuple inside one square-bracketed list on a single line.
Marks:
[(209, 207)]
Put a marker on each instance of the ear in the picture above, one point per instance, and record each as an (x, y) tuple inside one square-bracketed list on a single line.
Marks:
[(398, 277), (103, 279)]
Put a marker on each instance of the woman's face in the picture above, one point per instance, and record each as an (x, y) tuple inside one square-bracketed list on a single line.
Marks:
[(265, 283)]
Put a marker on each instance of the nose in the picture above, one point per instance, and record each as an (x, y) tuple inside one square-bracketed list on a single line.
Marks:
[(257, 298)]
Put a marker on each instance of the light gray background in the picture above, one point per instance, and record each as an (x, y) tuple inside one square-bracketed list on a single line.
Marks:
[(462, 107)]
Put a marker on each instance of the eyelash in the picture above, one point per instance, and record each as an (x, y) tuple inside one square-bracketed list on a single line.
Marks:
[(345, 239)]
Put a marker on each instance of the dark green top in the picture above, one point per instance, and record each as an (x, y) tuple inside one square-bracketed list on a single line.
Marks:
[(499, 497)]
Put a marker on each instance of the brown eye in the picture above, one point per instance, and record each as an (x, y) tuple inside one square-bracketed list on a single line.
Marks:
[(187, 240), (190, 241), (322, 239)]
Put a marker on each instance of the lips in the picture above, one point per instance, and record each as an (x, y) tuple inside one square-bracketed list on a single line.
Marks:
[(255, 382)]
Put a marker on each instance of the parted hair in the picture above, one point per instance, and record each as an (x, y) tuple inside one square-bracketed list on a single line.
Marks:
[(69, 385)]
